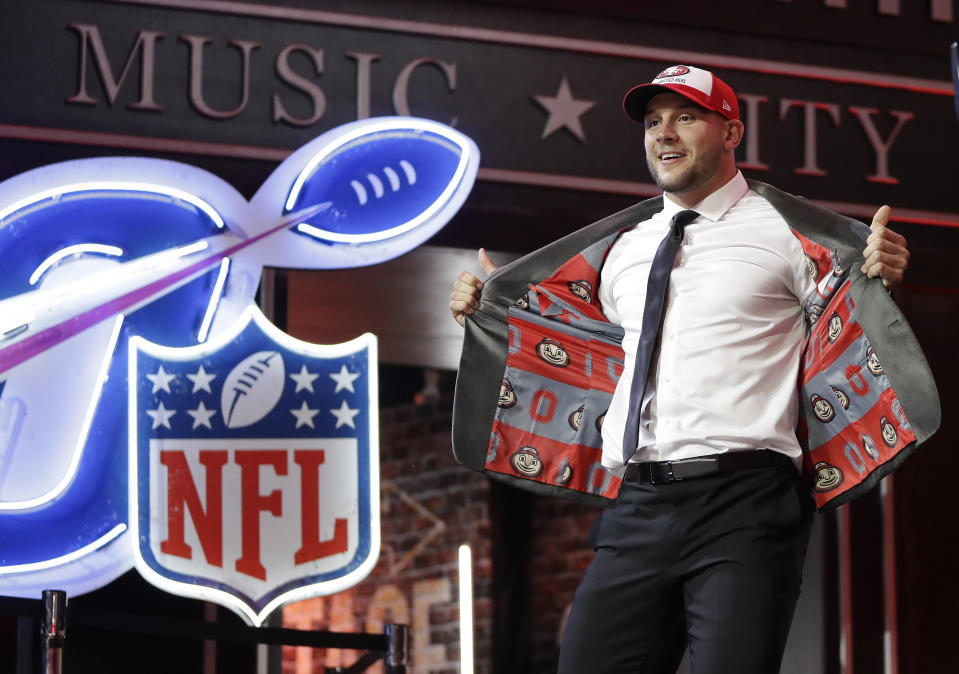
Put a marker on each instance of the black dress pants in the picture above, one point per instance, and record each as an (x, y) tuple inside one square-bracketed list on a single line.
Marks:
[(714, 562)]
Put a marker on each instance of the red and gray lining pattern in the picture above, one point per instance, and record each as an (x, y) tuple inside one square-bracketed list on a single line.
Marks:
[(565, 359), (853, 421), (547, 428)]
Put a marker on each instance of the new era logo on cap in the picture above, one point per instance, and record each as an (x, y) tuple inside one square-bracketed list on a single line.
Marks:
[(696, 84)]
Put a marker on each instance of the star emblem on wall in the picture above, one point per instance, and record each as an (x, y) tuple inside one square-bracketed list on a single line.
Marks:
[(564, 111)]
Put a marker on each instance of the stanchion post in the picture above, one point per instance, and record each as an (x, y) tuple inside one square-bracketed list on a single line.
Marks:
[(53, 630), (398, 648)]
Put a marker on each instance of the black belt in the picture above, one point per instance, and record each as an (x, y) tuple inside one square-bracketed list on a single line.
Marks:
[(663, 472)]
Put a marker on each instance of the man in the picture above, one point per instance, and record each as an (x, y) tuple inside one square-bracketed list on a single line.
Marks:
[(705, 541)]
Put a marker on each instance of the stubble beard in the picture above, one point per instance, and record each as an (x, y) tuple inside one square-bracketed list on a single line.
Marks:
[(693, 177)]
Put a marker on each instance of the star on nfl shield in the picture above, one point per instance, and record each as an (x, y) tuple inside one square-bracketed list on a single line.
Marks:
[(254, 468)]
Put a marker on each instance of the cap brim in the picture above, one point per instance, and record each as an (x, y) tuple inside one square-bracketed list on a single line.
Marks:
[(636, 99)]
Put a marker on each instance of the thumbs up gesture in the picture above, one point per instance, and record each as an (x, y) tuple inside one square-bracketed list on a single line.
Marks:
[(467, 288), (886, 254)]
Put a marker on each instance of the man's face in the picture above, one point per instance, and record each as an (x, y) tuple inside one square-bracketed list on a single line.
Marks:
[(685, 147)]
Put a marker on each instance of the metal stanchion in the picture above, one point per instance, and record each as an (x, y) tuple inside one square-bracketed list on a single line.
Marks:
[(392, 645), (398, 649), (53, 630)]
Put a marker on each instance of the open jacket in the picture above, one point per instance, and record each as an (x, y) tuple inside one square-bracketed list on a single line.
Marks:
[(540, 362)]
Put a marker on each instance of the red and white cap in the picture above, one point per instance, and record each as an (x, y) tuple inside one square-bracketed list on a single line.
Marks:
[(698, 85)]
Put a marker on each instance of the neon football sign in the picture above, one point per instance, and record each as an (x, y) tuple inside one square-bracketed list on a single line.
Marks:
[(110, 262)]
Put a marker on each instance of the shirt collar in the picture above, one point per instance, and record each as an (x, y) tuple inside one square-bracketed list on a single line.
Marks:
[(714, 206)]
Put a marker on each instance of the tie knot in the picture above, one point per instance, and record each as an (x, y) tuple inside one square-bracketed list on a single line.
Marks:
[(680, 220)]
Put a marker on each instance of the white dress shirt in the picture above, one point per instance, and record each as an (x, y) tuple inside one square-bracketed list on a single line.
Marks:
[(725, 375)]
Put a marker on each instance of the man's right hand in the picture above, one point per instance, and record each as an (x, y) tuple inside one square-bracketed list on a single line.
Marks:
[(467, 289)]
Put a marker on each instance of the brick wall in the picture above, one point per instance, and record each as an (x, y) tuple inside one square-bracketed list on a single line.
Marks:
[(560, 531), (430, 506)]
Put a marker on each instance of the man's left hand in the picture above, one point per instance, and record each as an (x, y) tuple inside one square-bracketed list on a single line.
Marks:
[(886, 254)]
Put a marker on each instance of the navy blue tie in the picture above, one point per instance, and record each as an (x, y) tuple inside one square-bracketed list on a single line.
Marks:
[(656, 286)]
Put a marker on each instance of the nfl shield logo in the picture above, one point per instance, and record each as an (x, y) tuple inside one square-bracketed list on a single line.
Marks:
[(254, 468)]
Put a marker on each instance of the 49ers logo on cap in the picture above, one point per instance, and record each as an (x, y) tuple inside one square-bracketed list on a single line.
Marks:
[(674, 71)]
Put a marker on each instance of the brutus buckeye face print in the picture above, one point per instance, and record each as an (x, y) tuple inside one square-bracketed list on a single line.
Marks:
[(526, 462), (835, 327), (552, 352), (872, 363), (889, 434), (521, 303), (565, 473), (576, 418), (813, 312), (599, 421), (841, 397), (827, 477), (507, 397), (822, 408), (869, 447), (582, 289), (812, 267)]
